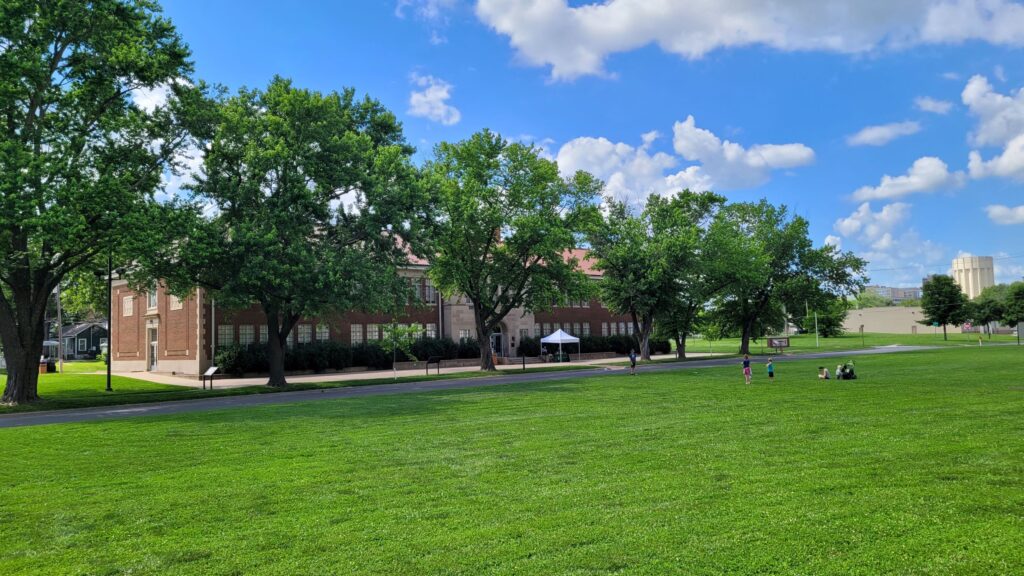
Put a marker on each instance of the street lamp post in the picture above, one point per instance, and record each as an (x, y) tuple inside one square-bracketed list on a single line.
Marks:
[(110, 317)]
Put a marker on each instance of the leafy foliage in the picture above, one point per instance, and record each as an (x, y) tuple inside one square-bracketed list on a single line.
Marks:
[(79, 158), (314, 203), (506, 220), (942, 302)]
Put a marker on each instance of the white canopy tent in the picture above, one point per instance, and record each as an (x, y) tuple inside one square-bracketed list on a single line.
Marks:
[(560, 337)]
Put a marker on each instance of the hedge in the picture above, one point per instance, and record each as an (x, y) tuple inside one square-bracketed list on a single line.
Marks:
[(619, 344), (320, 356)]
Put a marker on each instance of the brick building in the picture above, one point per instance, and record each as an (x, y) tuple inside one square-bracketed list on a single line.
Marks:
[(155, 331)]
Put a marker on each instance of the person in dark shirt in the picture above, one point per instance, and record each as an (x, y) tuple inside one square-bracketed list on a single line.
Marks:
[(746, 368), (632, 362)]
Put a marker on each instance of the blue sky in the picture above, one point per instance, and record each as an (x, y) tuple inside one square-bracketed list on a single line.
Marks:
[(860, 115)]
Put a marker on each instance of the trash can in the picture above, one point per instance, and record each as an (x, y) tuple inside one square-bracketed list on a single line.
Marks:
[(51, 366), (42, 365)]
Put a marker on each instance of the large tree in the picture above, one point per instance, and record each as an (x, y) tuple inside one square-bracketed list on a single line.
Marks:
[(79, 161), (1013, 307), (782, 270), (709, 266), (311, 203), (943, 302), (988, 307), (506, 221), (658, 265)]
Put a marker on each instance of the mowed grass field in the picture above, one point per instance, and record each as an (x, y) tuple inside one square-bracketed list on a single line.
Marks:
[(916, 468), (801, 343)]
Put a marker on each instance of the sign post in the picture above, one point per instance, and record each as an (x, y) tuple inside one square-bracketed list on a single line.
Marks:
[(778, 343), (209, 374)]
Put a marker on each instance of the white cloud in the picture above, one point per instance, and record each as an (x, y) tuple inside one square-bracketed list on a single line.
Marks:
[(883, 134), (902, 255), (430, 10), (1005, 215), (634, 172), (833, 240), (929, 104), (432, 101), (999, 73), (1000, 123), (1000, 117), (149, 99), (575, 40), (1007, 272), (729, 164), (630, 173), (951, 76), (927, 174), (872, 226)]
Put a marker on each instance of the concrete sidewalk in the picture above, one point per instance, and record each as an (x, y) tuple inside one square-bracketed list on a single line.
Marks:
[(160, 378)]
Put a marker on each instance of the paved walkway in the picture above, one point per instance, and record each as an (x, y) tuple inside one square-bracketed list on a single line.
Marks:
[(205, 404), (160, 378)]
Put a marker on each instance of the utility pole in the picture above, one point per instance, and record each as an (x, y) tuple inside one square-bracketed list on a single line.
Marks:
[(110, 317), (817, 343), (60, 333)]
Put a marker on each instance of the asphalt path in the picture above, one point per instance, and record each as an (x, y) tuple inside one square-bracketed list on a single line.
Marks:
[(218, 403)]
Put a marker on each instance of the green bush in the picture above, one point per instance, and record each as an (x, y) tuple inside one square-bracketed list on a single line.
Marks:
[(371, 355), (468, 348), (529, 347)]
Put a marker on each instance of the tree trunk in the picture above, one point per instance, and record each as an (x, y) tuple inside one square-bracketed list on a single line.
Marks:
[(645, 341), (681, 346), (275, 348), (22, 337), (748, 328), (486, 358), (944, 335)]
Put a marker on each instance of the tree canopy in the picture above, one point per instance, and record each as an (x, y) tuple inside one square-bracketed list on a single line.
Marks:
[(79, 158), (312, 204), (506, 221), (943, 302)]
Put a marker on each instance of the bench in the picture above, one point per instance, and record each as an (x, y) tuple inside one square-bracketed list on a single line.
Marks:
[(434, 360)]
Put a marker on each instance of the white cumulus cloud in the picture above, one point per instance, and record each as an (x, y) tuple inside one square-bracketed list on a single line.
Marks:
[(882, 134), (929, 104), (927, 174), (729, 164), (1000, 122), (431, 102), (1005, 215), (575, 39), (901, 254)]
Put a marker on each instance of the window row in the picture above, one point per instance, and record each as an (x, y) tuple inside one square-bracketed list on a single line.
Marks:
[(572, 328), (304, 333)]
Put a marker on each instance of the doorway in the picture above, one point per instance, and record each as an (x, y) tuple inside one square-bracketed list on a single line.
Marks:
[(152, 357), (497, 344)]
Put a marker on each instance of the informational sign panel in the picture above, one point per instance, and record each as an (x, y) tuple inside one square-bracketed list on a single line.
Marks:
[(779, 343)]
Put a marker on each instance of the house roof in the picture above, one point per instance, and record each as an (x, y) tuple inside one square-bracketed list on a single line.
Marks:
[(73, 330)]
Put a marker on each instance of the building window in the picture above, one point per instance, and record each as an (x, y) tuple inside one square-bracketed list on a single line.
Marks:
[(372, 332), (431, 292), (576, 329), (225, 335), (463, 335), (128, 306), (536, 330), (246, 334), (356, 333), (305, 333), (323, 332), (524, 333), (431, 330), (604, 328), (151, 298), (622, 328), (629, 328), (417, 292), (264, 334), (547, 328), (174, 303), (83, 344), (586, 328), (585, 303), (290, 340)]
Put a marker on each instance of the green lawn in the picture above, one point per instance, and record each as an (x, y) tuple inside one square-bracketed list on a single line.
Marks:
[(78, 390), (916, 468), (806, 342)]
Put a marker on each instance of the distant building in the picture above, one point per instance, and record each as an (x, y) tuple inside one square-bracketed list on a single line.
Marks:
[(897, 295), (973, 274)]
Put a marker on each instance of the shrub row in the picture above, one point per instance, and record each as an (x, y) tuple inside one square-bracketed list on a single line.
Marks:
[(320, 356), (619, 344)]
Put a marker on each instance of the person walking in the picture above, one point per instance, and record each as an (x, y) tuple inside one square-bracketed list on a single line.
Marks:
[(771, 370), (632, 362), (746, 368)]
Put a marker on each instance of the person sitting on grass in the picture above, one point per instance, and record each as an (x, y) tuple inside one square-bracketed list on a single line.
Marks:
[(822, 373)]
